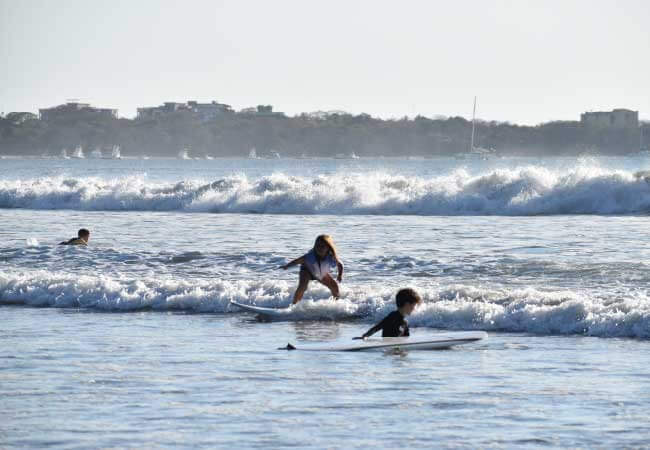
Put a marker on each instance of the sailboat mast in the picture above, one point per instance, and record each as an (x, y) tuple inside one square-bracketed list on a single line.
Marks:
[(471, 145)]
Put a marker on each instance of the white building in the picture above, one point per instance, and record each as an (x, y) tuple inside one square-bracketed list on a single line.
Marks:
[(209, 111), (618, 118)]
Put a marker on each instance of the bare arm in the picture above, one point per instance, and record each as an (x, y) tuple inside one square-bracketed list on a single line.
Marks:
[(339, 264), (293, 263)]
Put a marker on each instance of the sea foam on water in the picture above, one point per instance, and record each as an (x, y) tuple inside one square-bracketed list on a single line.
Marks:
[(522, 191), (451, 307)]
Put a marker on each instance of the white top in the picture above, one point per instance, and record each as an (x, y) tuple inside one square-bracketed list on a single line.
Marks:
[(319, 268)]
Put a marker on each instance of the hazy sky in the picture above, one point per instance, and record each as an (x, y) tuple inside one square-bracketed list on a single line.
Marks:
[(527, 61)]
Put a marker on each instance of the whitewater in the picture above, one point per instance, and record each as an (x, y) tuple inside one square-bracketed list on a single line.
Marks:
[(528, 190), (549, 255)]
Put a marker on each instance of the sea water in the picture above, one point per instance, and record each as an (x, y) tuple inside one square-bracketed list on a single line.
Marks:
[(131, 341)]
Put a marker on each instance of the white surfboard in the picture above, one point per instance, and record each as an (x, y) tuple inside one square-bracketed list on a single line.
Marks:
[(306, 310), (269, 312), (438, 341)]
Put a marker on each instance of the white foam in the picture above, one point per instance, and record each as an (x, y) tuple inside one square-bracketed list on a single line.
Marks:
[(44, 288), (456, 307), (31, 242), (530, 190)]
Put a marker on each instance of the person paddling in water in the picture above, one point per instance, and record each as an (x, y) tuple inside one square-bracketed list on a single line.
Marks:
[(82, 238), (317, 265), (395, 324)]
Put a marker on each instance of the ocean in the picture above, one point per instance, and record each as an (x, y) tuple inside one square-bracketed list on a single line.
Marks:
[(132, 342)]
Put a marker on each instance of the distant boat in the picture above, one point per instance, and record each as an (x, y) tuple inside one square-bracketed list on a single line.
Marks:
[(64, 154), (588, 153), (116, 153), (643, 175), (208, 157), (78, 153), (477, 152), (344, 156), (253, 154), (184, 154)]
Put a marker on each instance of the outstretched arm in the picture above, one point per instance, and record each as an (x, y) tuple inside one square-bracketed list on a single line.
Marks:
[(293, 263), (339, 265), (373, 330)]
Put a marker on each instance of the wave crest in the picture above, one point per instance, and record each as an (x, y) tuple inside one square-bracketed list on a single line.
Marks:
[(524, 191)]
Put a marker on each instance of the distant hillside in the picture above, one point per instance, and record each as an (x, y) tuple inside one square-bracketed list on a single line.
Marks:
[(332, 134)]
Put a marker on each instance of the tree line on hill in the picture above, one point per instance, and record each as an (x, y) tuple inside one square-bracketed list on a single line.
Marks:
[(325, 135)]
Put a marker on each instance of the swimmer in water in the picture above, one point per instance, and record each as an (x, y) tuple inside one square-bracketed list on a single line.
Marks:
[(82, 238)]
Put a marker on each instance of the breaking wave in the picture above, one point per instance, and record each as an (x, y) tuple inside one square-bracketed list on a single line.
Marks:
[(454, 307), (522, 191)]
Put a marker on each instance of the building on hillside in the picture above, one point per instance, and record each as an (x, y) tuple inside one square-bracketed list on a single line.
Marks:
[(166, 108), (20, 117), (618, 118), (262, 110), (209, 111), (75, 110), (204, 111)]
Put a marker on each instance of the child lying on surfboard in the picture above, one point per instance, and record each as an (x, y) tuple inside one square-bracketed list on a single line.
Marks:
[(395, 324), (82, 238), (317, 265)]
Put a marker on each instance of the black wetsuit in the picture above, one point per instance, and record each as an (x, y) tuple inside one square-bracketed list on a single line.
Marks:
[(393, 325), (74, 241)]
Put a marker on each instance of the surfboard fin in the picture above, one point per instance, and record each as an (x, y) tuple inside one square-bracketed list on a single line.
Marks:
[(288, 347)]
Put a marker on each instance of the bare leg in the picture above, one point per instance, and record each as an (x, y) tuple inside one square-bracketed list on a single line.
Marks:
[(302, 286), (331, 284)]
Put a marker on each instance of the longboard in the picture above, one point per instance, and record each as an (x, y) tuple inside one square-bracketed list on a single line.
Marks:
[(306, 310), (439, 341), (269, 312)]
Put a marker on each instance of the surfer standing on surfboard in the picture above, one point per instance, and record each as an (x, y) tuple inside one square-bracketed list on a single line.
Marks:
[(317, 265)]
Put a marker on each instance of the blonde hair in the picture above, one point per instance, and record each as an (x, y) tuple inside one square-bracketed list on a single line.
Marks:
[(327, 240)]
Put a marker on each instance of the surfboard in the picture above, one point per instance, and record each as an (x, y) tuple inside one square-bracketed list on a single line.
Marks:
[(269, 312), (306, 310), (438, 341)]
